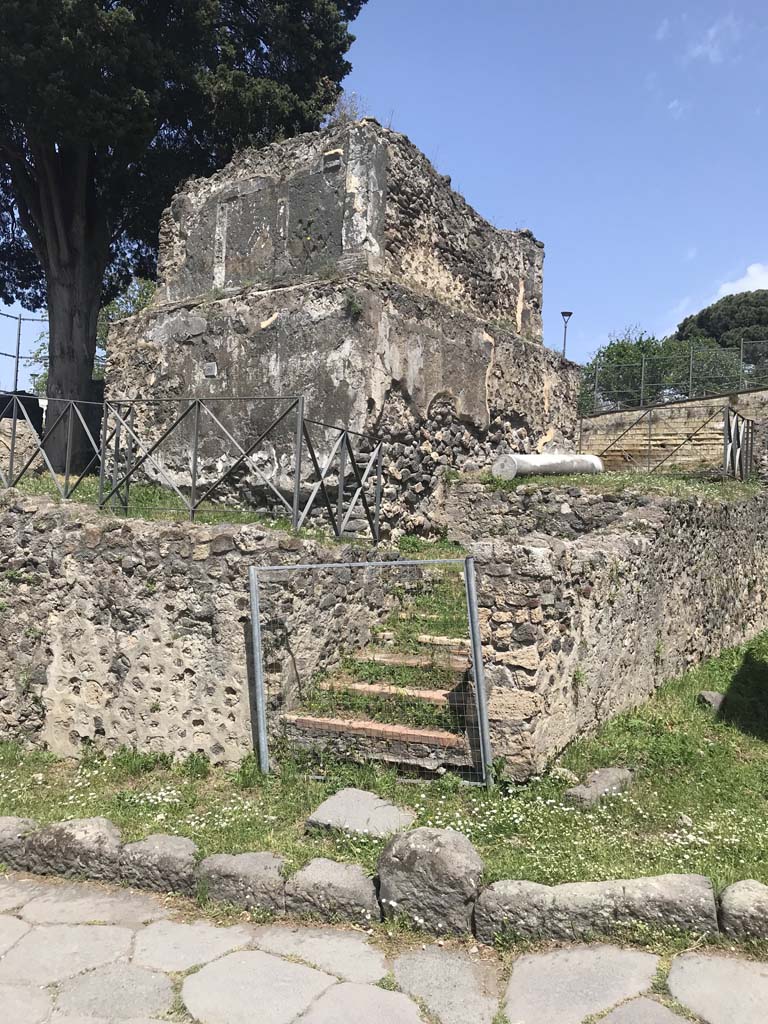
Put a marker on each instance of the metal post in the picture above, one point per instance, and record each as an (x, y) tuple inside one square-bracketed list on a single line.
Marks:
[(470, 584), (298, 451), (595, 392), (342, 474), (14, 426), (690, 373), (726, 432), (18, 355), (260, 708), (129, 456), (642, 382), (68, 456), (103, 450), (741, 365), (377, 512), (195, 442), (650, 433), (115, 467)]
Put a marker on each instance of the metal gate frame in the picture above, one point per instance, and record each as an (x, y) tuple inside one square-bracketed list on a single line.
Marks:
[(476, 650)]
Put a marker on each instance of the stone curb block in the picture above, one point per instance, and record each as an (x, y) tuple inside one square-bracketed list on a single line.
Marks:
[(161, 863), (577, 910), (329, 890), (248, 880), (82, 847), (433, 875), (744, 910), (13, 833)]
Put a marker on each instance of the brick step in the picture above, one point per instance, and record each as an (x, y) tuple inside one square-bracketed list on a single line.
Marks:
[(364, 740), (437, 697), (455, 643), (449, 660)]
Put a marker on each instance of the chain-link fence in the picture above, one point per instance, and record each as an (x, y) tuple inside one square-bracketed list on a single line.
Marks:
[(693, 372), (371, 662)]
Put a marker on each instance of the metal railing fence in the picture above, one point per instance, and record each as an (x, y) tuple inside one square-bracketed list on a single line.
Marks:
[(256, 452), (655, 439), (694, 372), (375, 661)]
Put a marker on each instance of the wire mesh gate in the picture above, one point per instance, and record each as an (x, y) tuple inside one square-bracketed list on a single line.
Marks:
[(371, 662)]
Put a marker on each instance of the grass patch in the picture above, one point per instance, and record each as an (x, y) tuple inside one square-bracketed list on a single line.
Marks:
[(394, 710), (699, 804), (677, 485)]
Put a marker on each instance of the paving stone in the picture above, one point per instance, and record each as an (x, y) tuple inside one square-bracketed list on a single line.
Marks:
[(361, 813), (578, 910), (83, 904), (245, 879), (161, 863), (245, 987), (642, 1011), (11, 930), (348, 955), (169, 946), (24, 1005), (13, 833), (49, 954), (119, 991), (744, 910), (332, 891), (87, 847), (711, 699), (67, 1018), (599, 784), (719, 989), (433, 875), (453, 986), (568, 985), (15, 892), (351, 1004)]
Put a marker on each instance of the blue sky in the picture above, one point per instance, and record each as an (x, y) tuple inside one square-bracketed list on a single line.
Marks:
[(631, 137)]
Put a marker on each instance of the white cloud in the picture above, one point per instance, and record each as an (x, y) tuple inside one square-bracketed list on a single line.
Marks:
[(677, 108), (663, 30), (756, 276), (691, 253), (715, 42)]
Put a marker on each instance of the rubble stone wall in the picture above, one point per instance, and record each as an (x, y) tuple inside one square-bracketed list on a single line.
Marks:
[(125, 632), (604, 599)]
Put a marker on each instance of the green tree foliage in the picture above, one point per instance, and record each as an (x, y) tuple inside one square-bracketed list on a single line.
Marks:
[(729, 321), (107, 105)]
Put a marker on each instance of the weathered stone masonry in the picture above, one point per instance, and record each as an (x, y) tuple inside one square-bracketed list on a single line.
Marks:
[(341, 266), (586, 619)]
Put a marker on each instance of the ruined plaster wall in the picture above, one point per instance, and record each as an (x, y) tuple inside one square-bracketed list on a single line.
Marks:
[(585, 617), (446, 390), (348, 198), (125, 632)]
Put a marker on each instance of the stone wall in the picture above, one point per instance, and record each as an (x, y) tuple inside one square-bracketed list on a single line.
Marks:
[(445, 390), (125, 632), (353, 197), (586, 614)]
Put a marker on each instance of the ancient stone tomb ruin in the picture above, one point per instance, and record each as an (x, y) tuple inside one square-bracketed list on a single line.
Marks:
[(340, 266)]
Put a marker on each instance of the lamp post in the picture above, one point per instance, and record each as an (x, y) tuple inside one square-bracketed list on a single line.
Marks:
[(566, 315)]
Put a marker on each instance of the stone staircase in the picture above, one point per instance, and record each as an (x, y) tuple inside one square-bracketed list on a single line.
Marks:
[(407, 701)]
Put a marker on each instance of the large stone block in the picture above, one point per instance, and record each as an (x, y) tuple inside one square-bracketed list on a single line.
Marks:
[(744, 910), (332, 891), (578, 910), (160, 862), (433, 875), (248, 880), (84, 847), (13, 833)]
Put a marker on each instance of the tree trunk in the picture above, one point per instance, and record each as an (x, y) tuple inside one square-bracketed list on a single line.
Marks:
[(74, 294)]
